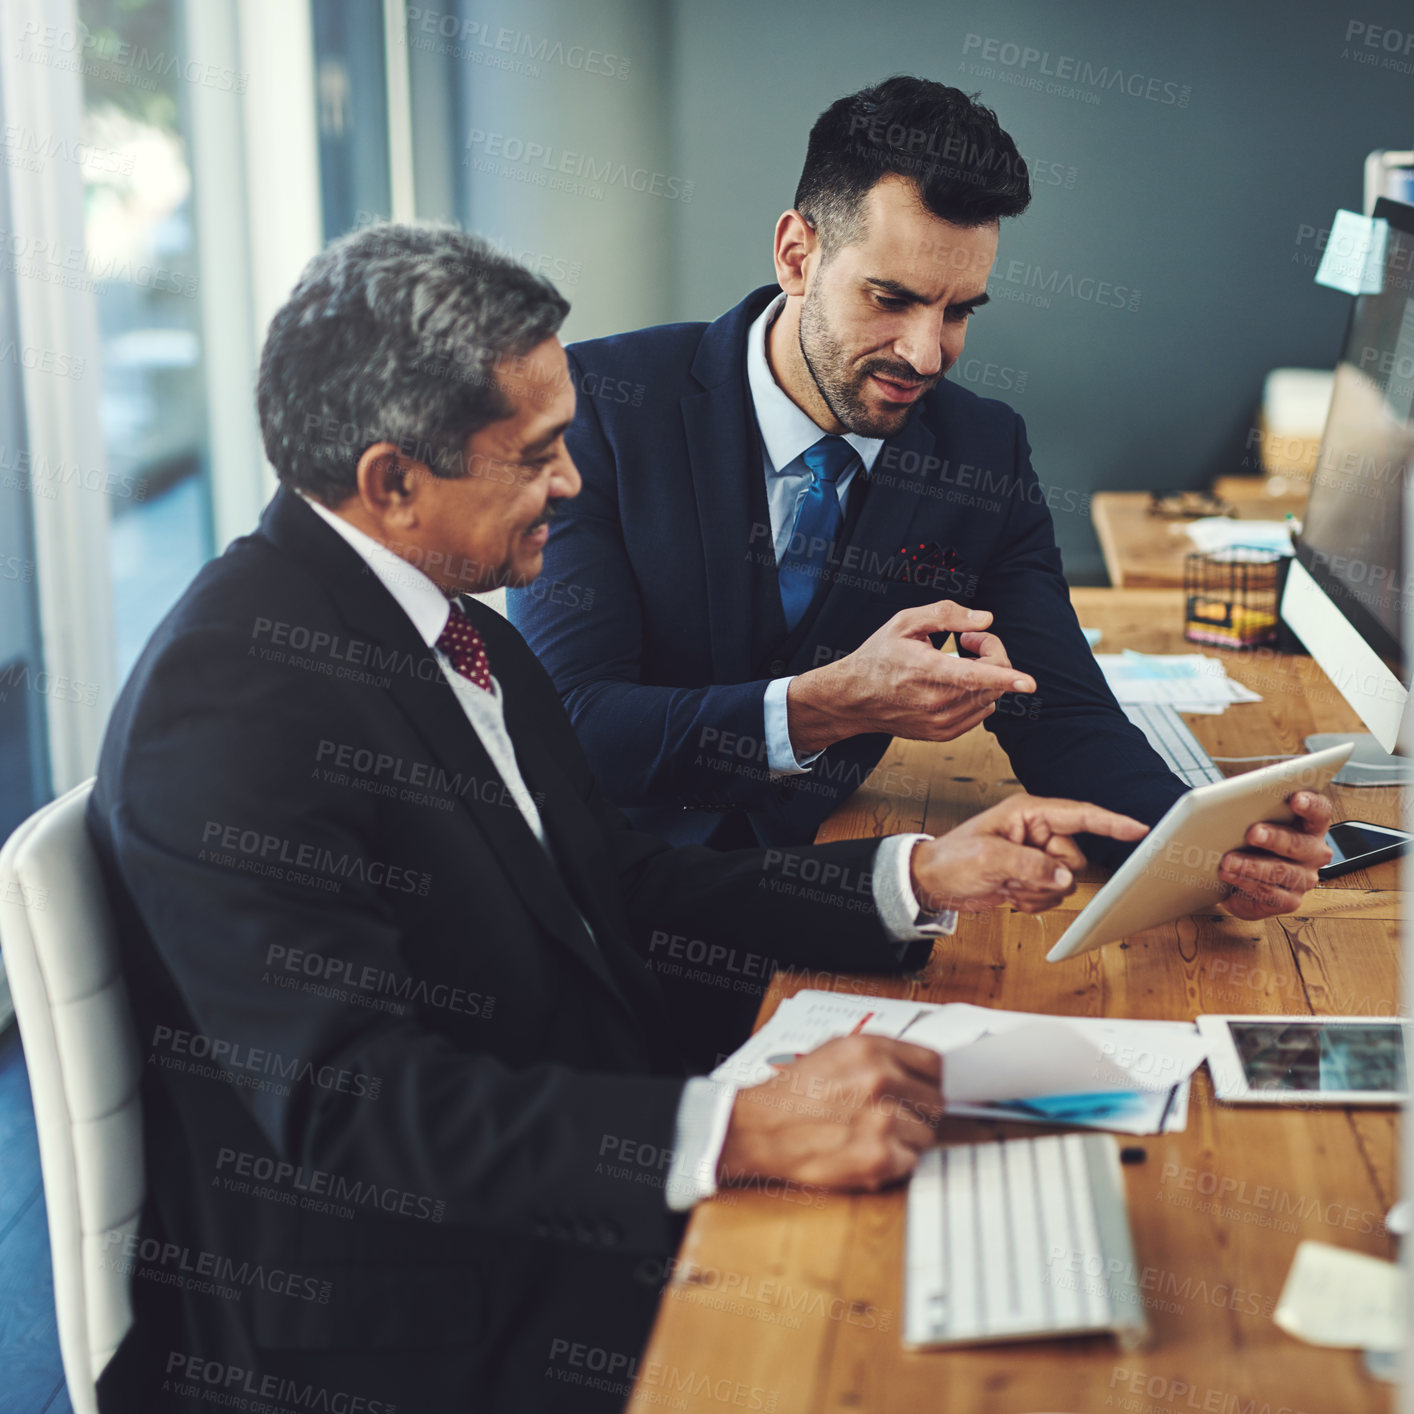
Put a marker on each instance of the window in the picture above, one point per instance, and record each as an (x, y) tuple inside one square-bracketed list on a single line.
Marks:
[(24, 758), (351, 91), (140, 242)]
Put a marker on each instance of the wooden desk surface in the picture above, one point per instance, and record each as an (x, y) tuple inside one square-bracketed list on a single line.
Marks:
[(1146, 552), (792, 1302)]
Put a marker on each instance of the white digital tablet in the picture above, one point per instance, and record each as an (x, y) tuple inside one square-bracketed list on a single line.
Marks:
[(1306, 1060), (1174, 868)]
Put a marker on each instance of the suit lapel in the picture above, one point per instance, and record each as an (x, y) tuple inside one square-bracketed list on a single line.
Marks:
[(587, 870), (435, 712), (724, 453), (422, 693), (723, 457)]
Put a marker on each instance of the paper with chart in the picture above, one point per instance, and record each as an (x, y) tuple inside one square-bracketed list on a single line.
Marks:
[(1100, 1072), (807, 1020), (1093, 1072)]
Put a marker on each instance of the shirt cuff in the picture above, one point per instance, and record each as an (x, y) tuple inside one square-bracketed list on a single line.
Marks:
[(704, 1112), (898, 905), (780, 754)]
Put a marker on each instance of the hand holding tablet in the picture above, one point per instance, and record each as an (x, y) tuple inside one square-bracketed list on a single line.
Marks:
[(1176, 869), (1282, 863)]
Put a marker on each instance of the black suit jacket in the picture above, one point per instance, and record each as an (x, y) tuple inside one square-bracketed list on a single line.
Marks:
[(658, 613), (397, 1098)]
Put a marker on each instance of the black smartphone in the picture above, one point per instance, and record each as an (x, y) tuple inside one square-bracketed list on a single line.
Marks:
[(1356, 844)]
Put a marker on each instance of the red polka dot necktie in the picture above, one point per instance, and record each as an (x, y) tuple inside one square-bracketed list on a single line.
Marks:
[(465, 648)]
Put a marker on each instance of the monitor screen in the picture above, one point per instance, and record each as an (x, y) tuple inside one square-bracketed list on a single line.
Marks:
[(1351, 537)]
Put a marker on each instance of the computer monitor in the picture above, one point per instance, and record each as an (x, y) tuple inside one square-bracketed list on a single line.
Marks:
[(1346, 591)]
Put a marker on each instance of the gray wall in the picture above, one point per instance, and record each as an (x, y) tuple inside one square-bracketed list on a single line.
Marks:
[(1201, 208), (586, 85)]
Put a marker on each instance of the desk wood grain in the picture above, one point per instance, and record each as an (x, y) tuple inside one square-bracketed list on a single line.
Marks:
[(1146, 552), (792, 1301)]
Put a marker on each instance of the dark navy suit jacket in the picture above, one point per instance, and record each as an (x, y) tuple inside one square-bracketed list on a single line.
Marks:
[(436, 1090), (659, 619)]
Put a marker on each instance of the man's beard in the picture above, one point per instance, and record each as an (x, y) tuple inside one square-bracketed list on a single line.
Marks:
[(840, 385)]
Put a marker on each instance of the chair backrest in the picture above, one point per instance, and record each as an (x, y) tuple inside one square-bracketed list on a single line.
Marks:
[(62, 962)]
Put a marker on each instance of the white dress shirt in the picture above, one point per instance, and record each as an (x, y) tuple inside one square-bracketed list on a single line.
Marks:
[(705, 1108)]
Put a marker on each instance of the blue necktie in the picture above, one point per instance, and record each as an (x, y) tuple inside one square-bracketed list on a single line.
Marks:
[(817, 527)]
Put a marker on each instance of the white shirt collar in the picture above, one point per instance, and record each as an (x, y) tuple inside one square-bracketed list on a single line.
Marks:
[(418, 596), (785, 429)]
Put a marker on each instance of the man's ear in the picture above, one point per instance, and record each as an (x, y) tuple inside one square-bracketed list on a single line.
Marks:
[(796, 241), (389, 483)]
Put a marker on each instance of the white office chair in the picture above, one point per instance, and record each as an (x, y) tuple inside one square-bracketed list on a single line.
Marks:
[(61, 959)]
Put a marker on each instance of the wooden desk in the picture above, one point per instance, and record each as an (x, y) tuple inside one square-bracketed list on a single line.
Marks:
[(793, 1302), (1146, 552)]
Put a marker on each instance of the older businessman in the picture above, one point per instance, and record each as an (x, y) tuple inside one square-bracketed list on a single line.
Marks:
[(386, 935)]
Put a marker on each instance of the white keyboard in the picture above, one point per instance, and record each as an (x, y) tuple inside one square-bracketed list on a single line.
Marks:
[(1020, 1239), (1169, 735)]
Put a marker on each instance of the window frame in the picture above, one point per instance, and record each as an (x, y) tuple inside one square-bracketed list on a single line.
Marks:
[(258, 222)]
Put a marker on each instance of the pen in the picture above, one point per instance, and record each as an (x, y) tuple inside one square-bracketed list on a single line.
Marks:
[(1168, 1108)]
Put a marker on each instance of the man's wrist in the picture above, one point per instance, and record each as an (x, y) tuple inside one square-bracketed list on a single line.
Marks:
[(926, 903), (739, 1159), (704, 1115), (905, 910), (934, 906), (812, 714), (782, 758)]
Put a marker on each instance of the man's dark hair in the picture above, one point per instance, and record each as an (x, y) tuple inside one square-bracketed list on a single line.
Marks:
[(962, 164), (395, 333)]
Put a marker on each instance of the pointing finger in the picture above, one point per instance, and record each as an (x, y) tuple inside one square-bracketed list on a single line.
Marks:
[(1073, 817)]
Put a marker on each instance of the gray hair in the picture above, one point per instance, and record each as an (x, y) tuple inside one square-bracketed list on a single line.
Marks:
[(394, 333)]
